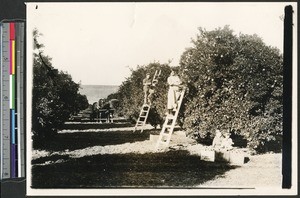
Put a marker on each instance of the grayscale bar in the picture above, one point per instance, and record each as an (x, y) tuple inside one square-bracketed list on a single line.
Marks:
[(22, 100)]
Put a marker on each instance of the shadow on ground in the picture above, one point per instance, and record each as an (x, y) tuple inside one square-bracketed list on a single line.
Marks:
[(80, 140), (170, 169), (96, 125)]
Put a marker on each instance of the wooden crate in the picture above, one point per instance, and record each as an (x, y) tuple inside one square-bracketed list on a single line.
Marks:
[(232, 157), (207, 155), (153, 138), (237, 158), (222, 156)]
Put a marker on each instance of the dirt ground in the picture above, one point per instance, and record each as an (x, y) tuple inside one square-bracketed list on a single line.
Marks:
[(259, 171)]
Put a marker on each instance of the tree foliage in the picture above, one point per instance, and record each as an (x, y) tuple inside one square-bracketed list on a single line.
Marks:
[(234, 83), (131, 95), (55, 95)]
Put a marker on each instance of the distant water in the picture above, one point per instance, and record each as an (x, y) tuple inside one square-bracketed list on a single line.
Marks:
[(95, 92)]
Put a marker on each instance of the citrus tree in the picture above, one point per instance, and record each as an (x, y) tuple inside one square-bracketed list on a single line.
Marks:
[(234, 84), (55, 96), (131, 95)]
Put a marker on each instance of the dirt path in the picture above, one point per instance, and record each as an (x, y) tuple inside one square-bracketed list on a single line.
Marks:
[(141, 147), (261, 171)]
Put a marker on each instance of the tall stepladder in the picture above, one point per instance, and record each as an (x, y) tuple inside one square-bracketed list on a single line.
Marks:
[(141, 121), (169, 125)]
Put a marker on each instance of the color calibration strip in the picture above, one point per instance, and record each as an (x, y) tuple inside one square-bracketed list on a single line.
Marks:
[(12, 100)]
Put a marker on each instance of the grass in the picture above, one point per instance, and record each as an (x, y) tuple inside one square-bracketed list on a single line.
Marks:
[(171, 169)]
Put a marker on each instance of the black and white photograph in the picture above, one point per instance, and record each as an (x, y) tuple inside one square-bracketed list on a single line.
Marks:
[(164, 98)]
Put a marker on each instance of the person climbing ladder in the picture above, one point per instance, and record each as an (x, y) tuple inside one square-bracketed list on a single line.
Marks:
[(147, 88), (174, 91), (175, 97), (148, 91)]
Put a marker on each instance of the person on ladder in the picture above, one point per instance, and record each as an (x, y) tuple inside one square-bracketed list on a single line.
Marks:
[(147, 88), (174, 91)]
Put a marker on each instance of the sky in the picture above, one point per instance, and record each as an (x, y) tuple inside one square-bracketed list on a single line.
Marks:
[(98, 43)]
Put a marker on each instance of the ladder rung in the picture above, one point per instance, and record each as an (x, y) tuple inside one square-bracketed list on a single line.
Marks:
[(168, 126), (166, 134), (170, 117)]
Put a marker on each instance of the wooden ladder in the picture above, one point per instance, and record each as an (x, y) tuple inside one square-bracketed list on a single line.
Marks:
[(142, 117), (155, 77), (141, 121), (169, 125)]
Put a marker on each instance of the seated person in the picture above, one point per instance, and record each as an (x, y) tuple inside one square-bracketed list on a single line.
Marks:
[(217, 141), (227, 142)]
